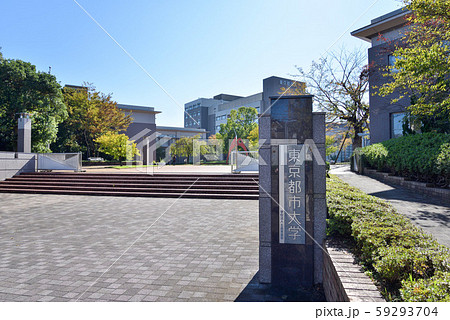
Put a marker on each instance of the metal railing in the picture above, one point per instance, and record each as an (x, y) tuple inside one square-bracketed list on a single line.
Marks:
[(244, 161), (59, 161)]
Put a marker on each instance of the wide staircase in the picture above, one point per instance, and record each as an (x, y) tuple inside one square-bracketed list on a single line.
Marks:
[(203, 186)]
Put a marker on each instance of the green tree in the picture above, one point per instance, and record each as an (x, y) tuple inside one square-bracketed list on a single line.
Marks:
[(183, 147), (23, 89), (91, 115), (253, 138), (330, 144), (422, 68), (117, 146), (208, 147), (240, 123), (340, 83)]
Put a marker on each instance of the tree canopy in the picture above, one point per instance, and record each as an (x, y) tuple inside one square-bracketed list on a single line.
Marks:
[(422, 68), (91, 115), (340, 83), (240, 123), (23, 89), (117, 145), (183, 147)]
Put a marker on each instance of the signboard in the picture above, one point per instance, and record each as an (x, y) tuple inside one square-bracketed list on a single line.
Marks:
[(292, 213)]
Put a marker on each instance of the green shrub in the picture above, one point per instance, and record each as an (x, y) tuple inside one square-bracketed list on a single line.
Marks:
[(443, 159), (385, 241), (375, 155), (397, 263), (434, 289), (426, 154)]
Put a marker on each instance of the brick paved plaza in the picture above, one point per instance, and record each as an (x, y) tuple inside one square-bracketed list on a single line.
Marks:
[(55, 247)]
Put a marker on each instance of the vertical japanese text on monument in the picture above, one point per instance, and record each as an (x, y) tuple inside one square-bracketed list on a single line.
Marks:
[(292, 194)]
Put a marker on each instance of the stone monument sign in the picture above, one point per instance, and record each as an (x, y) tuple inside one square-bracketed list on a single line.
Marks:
[(292, 208)]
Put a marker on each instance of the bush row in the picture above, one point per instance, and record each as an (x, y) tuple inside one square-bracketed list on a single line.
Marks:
[(424, 156), (409, 264)]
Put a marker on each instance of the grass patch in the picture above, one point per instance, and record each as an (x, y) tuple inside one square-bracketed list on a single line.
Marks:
[(138, 166), (406, 263), (217, 162)]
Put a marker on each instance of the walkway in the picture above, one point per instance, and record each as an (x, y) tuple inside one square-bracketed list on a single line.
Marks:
[(65, 248), (429, 214)]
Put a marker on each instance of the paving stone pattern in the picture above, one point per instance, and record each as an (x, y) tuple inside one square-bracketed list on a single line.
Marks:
[(57, 248)]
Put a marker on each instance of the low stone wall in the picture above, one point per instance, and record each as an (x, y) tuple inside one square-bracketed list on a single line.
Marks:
[(343, 279), (438, 193), (12, 163)]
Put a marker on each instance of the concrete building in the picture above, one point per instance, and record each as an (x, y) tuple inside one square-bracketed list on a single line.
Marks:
[(384, 33), (175, 133), (165, 136), (143, 118), (179, 132), (209, 114), (222, 111), (144, 125)]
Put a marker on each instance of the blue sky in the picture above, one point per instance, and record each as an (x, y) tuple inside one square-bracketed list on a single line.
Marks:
[(195, 48)]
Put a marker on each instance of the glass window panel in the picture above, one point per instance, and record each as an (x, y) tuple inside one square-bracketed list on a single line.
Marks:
[(397, 124), (391, 63)]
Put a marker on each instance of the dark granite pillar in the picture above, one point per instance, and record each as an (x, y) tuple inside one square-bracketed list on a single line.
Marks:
[(290, 254), (24, 133)]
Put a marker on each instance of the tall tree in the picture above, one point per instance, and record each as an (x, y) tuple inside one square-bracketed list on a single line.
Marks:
[(23, 89), (117, 146), (183, 147), (240, 123), (340, 82), (91, 115), (422, 68)]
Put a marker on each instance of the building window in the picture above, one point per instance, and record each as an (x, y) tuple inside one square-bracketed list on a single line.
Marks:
[(391, 63), (397, 124)]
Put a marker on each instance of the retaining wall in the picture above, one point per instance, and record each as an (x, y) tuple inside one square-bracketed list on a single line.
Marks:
[(12, 163), (420, 187), (343, 279)]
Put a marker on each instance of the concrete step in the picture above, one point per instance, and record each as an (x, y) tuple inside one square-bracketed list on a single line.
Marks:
[(144, 176), (135, 180), (226, 186), (134, 194), (129, 184), (192, 189)]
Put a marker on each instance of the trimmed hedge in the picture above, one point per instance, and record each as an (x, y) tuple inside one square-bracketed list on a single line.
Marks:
[(409, 264), (424, 157)]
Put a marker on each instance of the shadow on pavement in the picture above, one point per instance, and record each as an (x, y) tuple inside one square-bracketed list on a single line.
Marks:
[(257, 292), (406, 195)]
